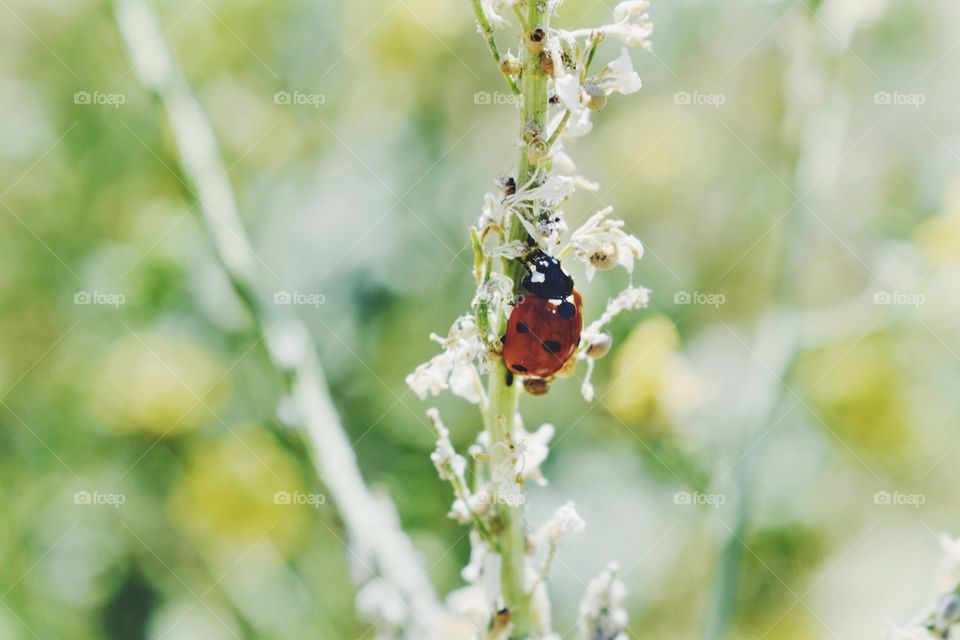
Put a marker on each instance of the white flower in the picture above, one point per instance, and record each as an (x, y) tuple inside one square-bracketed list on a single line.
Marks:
[(601, 612), (627, 300), (536, 450), (618, 76), (550, 225), (631, 25), (526, 451), (602, 244), (496, 292), (478, 555), (494, 212), (563, 164), (569, 92), (493, 8), (510, 492), (579, 124), (564, 522), (513, 250), (448, 462), (454, 367), (555, 188)]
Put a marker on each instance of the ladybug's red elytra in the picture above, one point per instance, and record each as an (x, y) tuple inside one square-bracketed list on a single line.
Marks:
[(543, 330)]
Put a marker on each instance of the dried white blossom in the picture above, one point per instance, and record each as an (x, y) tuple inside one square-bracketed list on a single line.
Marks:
[(478, 555), (618, 76), (552, 226), (629, 299), (536, 447), (496, 292), (493, 8), (569, 92), (564, 522), (602, 244), (474, 504), (579, 124), (601, 612), (454, 367), (450, 465), (631, 24), (513, 250), (526, 451), (555, 188), (494, 213)]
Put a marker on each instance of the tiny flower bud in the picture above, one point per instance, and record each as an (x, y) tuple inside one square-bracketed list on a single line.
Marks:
[(600, 346), (532, 131), (536, 41), (536, 386), (537, 152), (596, 98), (510, 65), (546, 63)]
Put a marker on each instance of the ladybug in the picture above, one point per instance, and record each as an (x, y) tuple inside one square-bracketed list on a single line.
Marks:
[(543, 330)]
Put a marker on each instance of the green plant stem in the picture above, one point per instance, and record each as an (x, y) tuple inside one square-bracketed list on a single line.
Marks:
[(501, 408), (560, 127), (487, 31)]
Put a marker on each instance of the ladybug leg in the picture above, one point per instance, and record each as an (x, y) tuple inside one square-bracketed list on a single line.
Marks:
[(509, 378)]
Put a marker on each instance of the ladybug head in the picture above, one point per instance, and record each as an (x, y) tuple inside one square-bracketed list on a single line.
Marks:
[(547, 278)]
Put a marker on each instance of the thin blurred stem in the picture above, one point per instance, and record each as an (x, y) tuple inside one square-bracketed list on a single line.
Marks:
[(371, 522), (486, 29)]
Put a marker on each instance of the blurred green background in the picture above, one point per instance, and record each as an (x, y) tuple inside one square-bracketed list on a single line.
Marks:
[(782, 158)]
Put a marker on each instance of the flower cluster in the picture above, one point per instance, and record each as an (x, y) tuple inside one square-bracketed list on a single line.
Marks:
[(601, 613), (523, 215)]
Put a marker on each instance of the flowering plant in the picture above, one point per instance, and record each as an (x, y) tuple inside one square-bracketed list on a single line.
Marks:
[(559, 89)]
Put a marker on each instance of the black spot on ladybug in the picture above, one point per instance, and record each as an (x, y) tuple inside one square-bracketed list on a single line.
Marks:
[(520, 368), (509, 378), (551, 346), (566, 309), (522, 328)]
